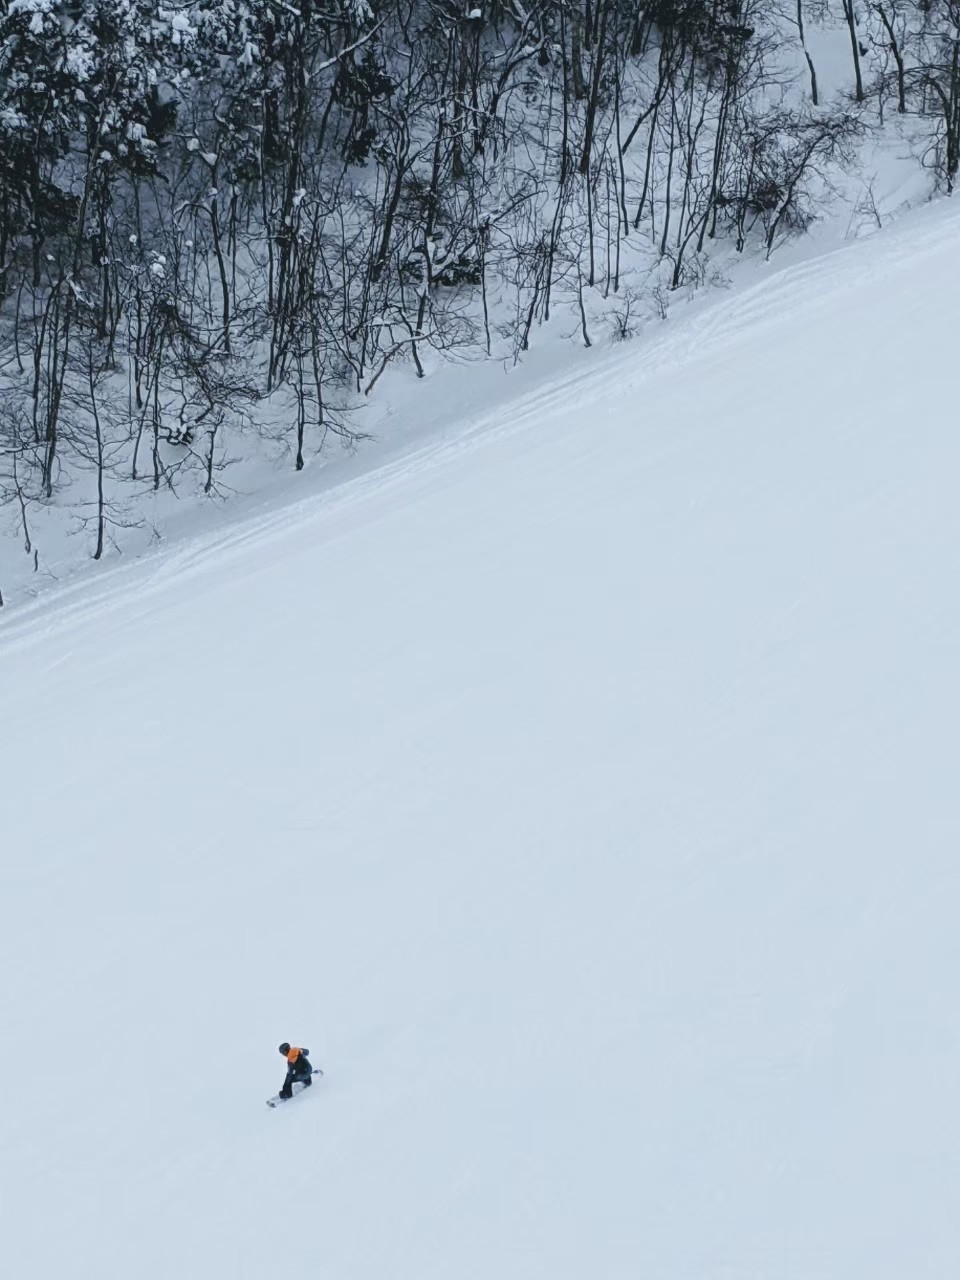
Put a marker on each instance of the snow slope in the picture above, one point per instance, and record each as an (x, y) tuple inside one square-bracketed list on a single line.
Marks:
[(580, 790)]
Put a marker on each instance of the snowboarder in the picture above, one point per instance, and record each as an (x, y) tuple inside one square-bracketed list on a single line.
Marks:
[(298, 1069)]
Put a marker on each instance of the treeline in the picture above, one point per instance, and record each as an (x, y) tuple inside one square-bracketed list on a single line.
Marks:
[(208, 207)]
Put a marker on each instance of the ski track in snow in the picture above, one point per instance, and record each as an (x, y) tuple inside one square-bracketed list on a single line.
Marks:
[(579, 787)]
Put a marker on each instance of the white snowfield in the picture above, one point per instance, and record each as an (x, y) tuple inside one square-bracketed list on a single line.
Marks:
[(582, 792)]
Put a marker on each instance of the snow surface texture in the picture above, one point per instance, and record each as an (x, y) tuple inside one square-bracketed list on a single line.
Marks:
[(581, 790)]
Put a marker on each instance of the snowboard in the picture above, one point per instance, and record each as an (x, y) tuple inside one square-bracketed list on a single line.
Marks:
[(298, 1088)]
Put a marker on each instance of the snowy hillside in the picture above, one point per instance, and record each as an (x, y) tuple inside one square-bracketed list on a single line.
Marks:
[(238, 239), (581, 791)]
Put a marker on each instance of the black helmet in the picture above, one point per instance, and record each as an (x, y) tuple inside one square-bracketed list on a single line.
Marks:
[(284, 1048)]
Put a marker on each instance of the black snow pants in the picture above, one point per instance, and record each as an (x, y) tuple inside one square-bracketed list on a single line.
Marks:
[(300, 1071)]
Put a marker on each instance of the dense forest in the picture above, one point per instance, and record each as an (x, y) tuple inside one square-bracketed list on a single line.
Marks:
[(224, 220)]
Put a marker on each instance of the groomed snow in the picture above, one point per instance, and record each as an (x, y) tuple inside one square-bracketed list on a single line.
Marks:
[(582, 791)]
